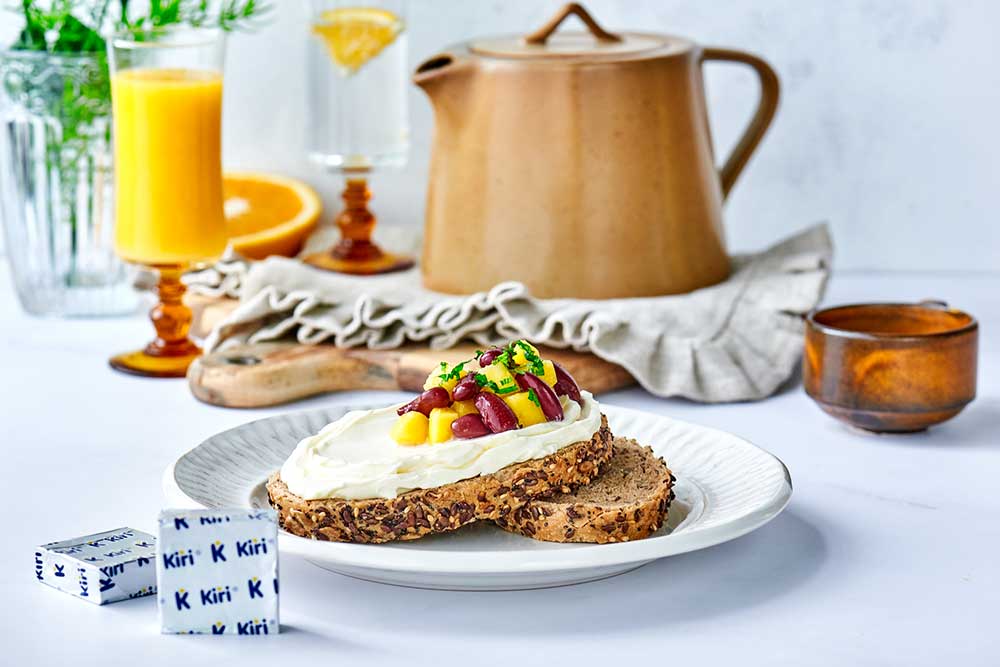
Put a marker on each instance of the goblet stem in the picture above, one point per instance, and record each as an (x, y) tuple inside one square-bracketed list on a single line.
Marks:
[(356, 253), (356, 224), (171, 318), (171, 352)]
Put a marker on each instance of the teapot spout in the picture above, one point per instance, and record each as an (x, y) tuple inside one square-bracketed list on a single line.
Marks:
[(439, 69)]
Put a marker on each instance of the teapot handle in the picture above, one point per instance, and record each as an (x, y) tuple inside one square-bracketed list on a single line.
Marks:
[(542, 34), (754, 132)]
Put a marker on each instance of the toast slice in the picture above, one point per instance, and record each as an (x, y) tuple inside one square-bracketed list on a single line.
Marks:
[(424, 511), (629, 500)]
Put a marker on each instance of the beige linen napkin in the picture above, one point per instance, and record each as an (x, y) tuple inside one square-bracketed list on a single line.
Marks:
[(735, 341)]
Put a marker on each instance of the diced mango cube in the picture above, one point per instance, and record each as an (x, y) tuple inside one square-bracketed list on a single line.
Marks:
[(463, 408), (550, 373), (499, 375), (410, 429), (520, 357), (526, 411), (434, 379), (439, 429)]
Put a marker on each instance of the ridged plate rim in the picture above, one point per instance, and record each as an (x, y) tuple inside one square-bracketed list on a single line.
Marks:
[(742, 487)]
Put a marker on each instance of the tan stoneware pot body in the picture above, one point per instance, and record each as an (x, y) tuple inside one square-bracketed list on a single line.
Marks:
[(584, 175)]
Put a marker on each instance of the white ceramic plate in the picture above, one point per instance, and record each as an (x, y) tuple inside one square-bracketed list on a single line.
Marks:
[(725, 488)]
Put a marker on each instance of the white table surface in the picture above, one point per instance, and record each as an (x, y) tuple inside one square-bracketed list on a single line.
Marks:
[(889, 553)]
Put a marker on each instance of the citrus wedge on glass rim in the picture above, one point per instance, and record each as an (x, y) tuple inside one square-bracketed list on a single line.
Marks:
[(268, 214), (355, 35)]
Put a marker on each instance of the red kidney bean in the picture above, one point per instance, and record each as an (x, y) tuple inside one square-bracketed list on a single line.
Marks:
[(466, 388), (435, 397), (547, 398), (496, 414), (566, 385), (469, 426), (487, 357)]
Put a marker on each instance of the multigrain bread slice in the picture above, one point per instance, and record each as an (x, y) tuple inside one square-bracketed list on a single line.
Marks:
[(629, 500), (425, 511)]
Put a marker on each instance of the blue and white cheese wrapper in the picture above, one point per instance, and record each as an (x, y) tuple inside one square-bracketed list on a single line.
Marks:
[(101, 568), (217, 572)]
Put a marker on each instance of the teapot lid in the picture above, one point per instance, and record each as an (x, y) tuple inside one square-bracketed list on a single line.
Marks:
[(598, 43)]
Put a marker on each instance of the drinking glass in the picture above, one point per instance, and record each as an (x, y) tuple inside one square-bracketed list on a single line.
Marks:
[(166, 98), (357, 87), (56, 195)]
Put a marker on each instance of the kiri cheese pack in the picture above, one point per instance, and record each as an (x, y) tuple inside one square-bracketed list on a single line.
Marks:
[(217, 572), (101, 568)]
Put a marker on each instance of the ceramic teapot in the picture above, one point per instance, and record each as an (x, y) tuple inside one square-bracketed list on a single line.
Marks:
[(579, 163)]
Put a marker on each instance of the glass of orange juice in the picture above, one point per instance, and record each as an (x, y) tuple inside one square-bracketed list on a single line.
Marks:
[(166, 96)]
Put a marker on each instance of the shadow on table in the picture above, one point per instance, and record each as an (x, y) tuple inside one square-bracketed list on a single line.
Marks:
[(974, 427), (727, 578)]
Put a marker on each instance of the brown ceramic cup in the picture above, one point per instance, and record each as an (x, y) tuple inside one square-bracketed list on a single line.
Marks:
[(891, 367)]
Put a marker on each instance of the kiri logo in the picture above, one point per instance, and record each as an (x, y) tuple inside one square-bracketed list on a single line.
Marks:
[(253, 586), (106, 584), (110, 539), (144, 544), (180, 558), (181, 599), (39, 566), (113, 570), (141, 562), (69, 551), (219, 628), (217, 552), (116, 554), (254, 627), (145, 590), (58, 570), (217, 595), (210, 520), (180, 523), (120, 536), (93, 559), (252, 547), (84, 585)]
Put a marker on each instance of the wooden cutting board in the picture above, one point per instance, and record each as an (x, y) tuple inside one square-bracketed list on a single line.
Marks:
[(263, 374)]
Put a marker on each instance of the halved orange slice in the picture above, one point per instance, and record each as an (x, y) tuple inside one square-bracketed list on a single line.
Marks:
[(268, 214)]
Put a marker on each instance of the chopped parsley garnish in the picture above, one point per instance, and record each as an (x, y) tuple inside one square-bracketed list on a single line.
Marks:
[(534, 361), (533, 397), (505, 358), (454, 374), (479, 353), (486, 383)]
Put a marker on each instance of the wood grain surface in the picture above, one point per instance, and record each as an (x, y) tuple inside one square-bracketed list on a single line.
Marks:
[(263, 374)]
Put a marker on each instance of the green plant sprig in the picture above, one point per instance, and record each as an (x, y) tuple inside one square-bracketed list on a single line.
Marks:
[(80, 26), (82, 107)]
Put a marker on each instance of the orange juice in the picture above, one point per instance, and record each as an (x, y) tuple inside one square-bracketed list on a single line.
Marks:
[(168, 166)]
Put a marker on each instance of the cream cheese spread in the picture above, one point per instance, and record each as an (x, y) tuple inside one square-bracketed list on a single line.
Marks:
[(355, 458)]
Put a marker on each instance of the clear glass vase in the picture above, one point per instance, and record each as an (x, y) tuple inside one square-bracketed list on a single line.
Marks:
[(56, 180)]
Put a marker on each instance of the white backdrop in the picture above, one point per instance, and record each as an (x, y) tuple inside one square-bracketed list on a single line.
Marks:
[(888, 126)]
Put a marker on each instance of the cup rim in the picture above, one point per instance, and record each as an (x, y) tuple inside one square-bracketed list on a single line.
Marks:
[(204, 36), (830, 330)]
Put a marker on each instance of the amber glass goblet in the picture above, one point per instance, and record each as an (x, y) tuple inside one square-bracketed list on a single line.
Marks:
[(166, 93)]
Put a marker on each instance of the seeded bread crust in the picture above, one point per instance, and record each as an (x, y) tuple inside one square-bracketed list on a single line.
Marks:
[(628, 501), (426, 511)]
